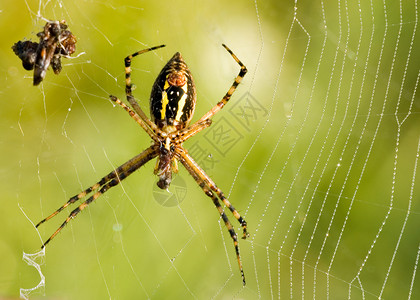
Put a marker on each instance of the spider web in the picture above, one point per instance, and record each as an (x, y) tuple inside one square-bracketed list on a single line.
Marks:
[(318, 150)]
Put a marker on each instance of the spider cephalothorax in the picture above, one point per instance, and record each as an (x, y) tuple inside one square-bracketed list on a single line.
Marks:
[(172, 105)]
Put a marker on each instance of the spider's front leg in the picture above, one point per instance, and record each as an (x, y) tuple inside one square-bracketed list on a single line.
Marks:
[(128, 89), (231, 90)]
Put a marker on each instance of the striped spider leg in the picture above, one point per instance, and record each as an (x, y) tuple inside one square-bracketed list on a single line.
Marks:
[(128, 91)]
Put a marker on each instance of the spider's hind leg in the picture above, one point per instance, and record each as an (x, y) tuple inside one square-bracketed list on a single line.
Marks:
[(103, 185), (82, 206), (235, 213), (211, 190), (81, 195), (229, 227)]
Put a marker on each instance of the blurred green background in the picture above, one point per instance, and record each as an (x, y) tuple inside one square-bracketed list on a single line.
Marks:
[(312, 143)]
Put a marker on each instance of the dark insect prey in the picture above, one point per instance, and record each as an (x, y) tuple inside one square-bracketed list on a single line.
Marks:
[(55, 41)]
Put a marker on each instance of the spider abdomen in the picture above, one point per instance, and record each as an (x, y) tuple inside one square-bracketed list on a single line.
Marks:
[(173, 97)]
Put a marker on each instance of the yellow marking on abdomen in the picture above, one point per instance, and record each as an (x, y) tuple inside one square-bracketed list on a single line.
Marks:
[(165, 101), (181, 103)]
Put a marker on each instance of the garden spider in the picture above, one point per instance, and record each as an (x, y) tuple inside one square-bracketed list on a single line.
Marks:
[(172, 104)]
